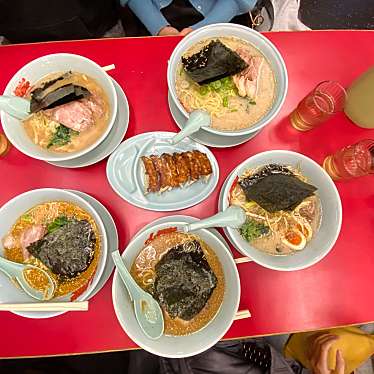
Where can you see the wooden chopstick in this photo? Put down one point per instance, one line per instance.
(108, 67)
(46, 307)
(241, 260)
(241, 314)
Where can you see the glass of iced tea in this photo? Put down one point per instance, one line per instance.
(321, 103)
(352, 161)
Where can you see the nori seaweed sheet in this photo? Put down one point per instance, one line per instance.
(61, 95)
(37, 93)
(213, 62)
(68, 250)
(276, 188)
(184, 281)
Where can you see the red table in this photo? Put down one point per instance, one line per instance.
(335, 292)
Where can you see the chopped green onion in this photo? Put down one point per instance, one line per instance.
(252, 229)
(57, 223)
(26, 218)
(61, 137)
(203, 90)
(225, 101)
(216, 85)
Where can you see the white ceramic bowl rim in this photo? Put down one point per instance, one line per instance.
(31, 65)
(276, 262)
(87, 206)
(217, 29)
(140, 340)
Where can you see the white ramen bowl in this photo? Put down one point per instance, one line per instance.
(15, 208)
(245, 33)
(39, 68)
(322, 241)
(188, 345)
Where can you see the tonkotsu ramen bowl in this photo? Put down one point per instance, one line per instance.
(184, 345)
(259, 41)
(38, 69)
(18, 206)
(331, 218)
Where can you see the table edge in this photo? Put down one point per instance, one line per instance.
(177, 36)
(139, 348)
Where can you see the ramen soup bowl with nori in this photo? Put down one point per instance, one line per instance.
(85, 100)
(233, 51)
(194, 279)
(306, 205)
(61, 233)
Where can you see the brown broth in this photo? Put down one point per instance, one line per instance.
(143, 271)
(44, 214)
(40, 128)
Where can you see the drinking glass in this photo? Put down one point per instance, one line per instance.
(4, 145)
(352, 161)
(320, 104)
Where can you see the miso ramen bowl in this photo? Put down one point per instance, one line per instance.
(38, 69)
(268, 50)
(185, 345)
(18, 206)
(331, 212)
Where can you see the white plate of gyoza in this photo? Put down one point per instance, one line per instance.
(148, 171)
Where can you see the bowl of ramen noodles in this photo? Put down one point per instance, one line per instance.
(292, 206)
(231, 71)
(193, 278)
(73, 106)
(59, 232)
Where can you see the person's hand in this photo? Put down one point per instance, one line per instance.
(318, 355)
(168, 30)
(185, 31)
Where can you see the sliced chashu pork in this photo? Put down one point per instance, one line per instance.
(28, 236)
(77, 115)
(247, 80)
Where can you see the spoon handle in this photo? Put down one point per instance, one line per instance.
(125, 275)
(233, 216)
(10, 268)
(196, 120)
(4, 101)
(15, 106)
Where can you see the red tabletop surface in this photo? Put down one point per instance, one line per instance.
(336, 291)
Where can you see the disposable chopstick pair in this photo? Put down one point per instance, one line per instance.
(241, 260)
(46, 307)
(74, 306)
(241, 314)
(108, 67)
